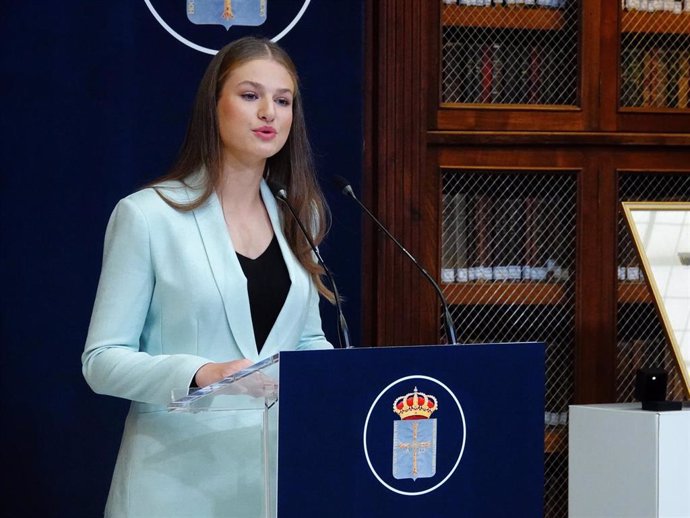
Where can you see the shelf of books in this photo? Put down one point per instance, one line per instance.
(505, 237)
(655, 55)
(512, 53)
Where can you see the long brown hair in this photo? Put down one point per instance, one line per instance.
(291, 167)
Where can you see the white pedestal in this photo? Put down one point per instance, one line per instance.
(625, 462)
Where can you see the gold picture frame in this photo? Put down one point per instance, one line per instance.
(661, 234)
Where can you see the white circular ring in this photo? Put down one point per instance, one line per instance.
(462, 449)
(206, 50)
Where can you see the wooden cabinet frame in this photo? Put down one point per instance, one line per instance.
(409, 136)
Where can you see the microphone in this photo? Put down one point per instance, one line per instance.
(280, 192)
(345, 188)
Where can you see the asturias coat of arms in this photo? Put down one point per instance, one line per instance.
(227, 12)
(414, 436)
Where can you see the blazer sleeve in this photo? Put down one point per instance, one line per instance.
(112, 362)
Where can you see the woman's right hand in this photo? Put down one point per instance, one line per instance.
(212, 372)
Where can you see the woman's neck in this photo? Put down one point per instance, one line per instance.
(239, 185)
(245, 215)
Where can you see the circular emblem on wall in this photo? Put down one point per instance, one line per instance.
(207, 25)
(414, 435)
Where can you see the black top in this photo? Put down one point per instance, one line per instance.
(268, 283)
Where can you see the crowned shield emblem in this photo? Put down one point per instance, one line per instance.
(414, 436)
(227, 12)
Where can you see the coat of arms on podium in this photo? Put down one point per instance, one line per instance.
(227, 12)
(414, 436)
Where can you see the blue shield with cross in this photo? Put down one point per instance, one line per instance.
(414, 449)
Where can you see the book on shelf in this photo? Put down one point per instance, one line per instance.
(543, 229)
(553, 4)
(471, 80)
(672, 79)
(564, 250)
(652, 80)
(673, 6)
(632, 77)
(551, 88)
(684, 79)
(655, 77)
(553, 243)
(461, 272)
(514, 74)
(483, 231)
(507, 3)
(497, 85)
(532, 230)
(515, 232)
(535, 73)
(487, 73)
(509, 235)
(453, 82)
(454, 238)
(621, 273)
(631, 273)
(447, 236)
(500, 242)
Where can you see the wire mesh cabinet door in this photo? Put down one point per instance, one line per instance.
(646, 66)
(501, 59)
(508, 269)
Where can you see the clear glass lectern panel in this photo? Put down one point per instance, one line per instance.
(661, 232)
(251, 392)
(253, 388)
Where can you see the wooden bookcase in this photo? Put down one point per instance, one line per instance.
(424, 146)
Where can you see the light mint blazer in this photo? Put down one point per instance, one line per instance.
(171, 297)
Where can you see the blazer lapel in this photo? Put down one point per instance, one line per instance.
(227, 273)
(285, 332)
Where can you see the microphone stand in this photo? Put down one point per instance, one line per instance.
(343, 332)
(448, 325)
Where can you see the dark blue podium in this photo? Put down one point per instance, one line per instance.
(424, 432)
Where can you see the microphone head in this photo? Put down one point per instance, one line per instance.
(278, 189)
(343, 185)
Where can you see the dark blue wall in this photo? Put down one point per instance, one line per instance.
(95, 101)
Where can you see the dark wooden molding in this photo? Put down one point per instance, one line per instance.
(398, 299)
(371, 115)
(552, 138)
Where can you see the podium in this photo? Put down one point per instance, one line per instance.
(417, 431)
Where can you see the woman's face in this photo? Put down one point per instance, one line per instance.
(255, 111)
